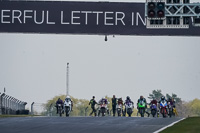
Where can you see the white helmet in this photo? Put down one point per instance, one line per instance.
(68, 97)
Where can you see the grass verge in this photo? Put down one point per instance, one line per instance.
(189, 125)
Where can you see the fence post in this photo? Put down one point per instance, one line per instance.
(86, 111)
(0, 104)
(6, 104)
(32, 108)
(50, 110)
(24, 105)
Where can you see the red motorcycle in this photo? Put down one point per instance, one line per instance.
(163, 108)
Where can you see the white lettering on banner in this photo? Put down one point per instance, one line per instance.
(86, 16)
(4, 16)
(139, 16)
(17, 16)
(107, 18)
(62, 21)
(133, 14)
(75, 17)
(26, 16)
(121, 19)
(97, 16)
(48, 22)
(35, 18)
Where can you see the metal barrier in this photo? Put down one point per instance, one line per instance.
(11, 105)
(38, 109)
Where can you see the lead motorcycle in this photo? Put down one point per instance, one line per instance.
(60, 110)
(163, 108)
(141, 108)
(67, 106)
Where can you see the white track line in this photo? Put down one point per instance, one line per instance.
(168, 126)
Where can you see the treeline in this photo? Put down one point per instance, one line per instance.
(81, 107)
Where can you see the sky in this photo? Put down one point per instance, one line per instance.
(33, 66)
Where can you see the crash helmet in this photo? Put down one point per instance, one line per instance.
(163, 98)
(141, 97)
(128, 98)
(93, 97)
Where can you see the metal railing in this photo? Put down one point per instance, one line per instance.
(11, 105)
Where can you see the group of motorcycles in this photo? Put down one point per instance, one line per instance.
(65, 108)
(166, 109)
(102, 109)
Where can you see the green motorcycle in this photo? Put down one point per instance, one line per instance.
(141, 108)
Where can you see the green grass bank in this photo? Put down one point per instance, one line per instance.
(189, 125)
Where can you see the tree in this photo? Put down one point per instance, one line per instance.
(194, 107)
(174, 96)
(155, 94)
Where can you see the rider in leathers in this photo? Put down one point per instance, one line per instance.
(59, 101)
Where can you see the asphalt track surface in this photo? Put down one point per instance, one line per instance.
(83, 124)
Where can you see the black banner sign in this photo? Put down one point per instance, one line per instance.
(62, 17)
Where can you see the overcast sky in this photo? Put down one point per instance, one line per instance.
(33, 66)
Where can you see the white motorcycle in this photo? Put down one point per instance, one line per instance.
(129, 108)
(67, 106)
(119, 109)
(103, 109)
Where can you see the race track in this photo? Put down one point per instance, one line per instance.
(83, 124)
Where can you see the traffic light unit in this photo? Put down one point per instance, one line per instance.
(171, 13)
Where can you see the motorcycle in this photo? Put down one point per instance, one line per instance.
(129, 108)
(119, 109)
(153, 110)
(141, 108)
(170, 110)
(163, 108)
(60, 110)
(67, 106)
(102, 109)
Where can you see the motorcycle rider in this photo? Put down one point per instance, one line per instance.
(92, 103)
(68, 97)
(154, 101)
(127, 101)
(114, 103)
(162, 99)
(59, 101)
(120, 101)
(103, 100)
(144, 100)
(172, 102)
